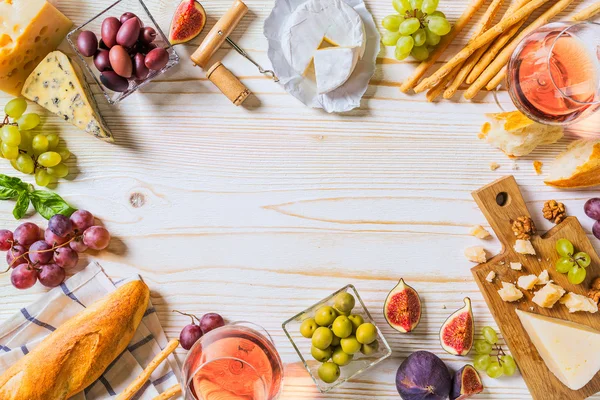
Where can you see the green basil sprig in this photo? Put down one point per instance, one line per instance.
(46, 203)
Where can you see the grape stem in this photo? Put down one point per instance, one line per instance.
(192, 316)
(56, 246)
(7, 122)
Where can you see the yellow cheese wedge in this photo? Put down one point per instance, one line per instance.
(54, 85)
(570, 351)
(29, 30)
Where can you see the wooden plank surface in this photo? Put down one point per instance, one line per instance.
(256, 212)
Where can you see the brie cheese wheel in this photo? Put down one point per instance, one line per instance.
(316, 21)
(569, 350)
(333, 67)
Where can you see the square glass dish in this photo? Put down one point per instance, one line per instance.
(360, 362)
(116, 10)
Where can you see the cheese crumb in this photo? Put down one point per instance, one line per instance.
(527, 282)
(524, 247)
(576, 302)
(479, 232)
(490, 277)
(537, 166)
(494, 166)
(509, 292)
(548, 295)
(543, 278)
(476, 254)
(516, 266)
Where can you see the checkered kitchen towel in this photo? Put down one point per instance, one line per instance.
(27, 328)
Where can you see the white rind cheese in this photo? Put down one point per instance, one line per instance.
(570, 351)
(333, 67)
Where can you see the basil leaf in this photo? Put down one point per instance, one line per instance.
(13, 183)
(22, 206)
(48, 204)
(7, 194)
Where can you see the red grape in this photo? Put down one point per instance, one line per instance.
(6, 239)
(189, 335)
(23, 276)
(38, 253)
(211, 321)
(66, 257)
(51, 275)
(592, 208)
(13, 256)
(96, 237)
(53, 239)
(60, 225)
(596, 230)
(27, 233)
(82, 219)
(78, 245)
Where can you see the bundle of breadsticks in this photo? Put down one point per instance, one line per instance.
(482, 62)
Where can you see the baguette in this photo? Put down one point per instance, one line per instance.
(577, 167)
(76, 354)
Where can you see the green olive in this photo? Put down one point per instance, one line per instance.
(344, 302)
(370, 349)
(308, 327)
(329, 372)
(335, 341)
(357, 321)
(366, 333)
(341, 358)
(322, 338)
(325, 316)
(350, 345)
(342, 327)
(321, 355)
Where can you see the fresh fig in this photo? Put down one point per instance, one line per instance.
(423, 376)
(402, 308)
(456, 334)
(188, 21)
(466, 383)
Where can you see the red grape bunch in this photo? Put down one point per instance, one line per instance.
(592, 210)
(192, 332)
(34, 255)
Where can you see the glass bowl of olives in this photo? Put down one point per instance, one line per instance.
(337, 339)
(123, 49)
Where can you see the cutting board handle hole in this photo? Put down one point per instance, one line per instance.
(502, 199)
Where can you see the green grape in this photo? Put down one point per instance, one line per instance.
(25, 164)
(10, 152)
(420, 53)
(65, 154)
(432, 39)
(15, 108)
(564, 247)
(482, 361)
(482, 347)
(489, 334)
(509, 367)
(42, 178)
(14, 164)
(400, 55)
(429, 6)
(409, 26)
(401, 6)
(405, 44)
(26, 138)
(494, 370)
(564, 264)
(438, 25)
(59, 171)
(10, 135)
(419, 36)
(438, 13)
(390, 38)
(49, 159)
(40, 144)
(28, 121)
(576, 275)
(392, 22)
(583, 259)
(53, 140)
(416, 4)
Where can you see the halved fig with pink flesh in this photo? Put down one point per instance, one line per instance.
(466, 383)
(456, 334)
(188, 21)
(402, 308)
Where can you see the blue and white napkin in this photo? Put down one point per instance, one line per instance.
(25, 330)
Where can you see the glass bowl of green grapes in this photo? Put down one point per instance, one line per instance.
(337, 339)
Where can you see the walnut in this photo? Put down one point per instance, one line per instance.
(523, 228)
(594, 292)
(554, 211)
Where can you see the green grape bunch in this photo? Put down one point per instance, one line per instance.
(491, 358)
(28, 152)
(571, 263)
(416, 28)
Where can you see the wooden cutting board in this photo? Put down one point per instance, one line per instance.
(542, 384)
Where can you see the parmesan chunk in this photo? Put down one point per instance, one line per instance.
(524, 247)
(479, 232)
(509, 292)
(548, 295)
(543, 278)
(527, 282)
(576, 302)
(490, 276)
(516, 266)
(476, 254)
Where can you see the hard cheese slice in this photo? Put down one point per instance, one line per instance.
(54, 85)
(29, 30)
(571, 351)
(333, 67)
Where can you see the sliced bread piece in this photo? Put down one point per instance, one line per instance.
(579, 166)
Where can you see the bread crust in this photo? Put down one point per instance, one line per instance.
(586, 174)
(79, 351)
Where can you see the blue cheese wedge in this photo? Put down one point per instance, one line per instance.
(54, 85)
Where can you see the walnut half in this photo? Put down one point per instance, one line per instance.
(554, 211)
(523, 228)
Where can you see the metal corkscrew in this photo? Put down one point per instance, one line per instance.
(242, 52)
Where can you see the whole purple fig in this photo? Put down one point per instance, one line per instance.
(423, 376)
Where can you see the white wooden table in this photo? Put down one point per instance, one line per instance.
(257, 212)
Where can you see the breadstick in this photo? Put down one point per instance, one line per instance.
(465, 68)
(482, 40)
(498, 44)
(435, 91)
(462, 21)
(493, 71)
(586, 13)
(170, 392)
(132, 389)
